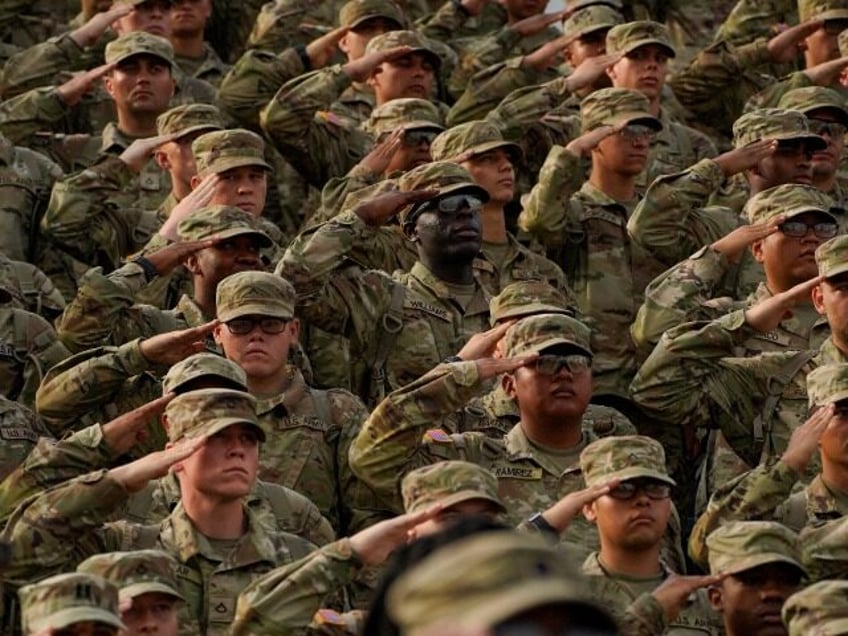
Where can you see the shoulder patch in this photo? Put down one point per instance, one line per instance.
(328, 617)
(437, 436)
(331, 118)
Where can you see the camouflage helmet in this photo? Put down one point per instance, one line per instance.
(589, 19)
(775, 123)
(820, 609)
(204, 365)
(832, 257)
(472, 138)
(743, 545)
(448, 483)
(414, 40)
(623, 458)
(222, 150)
(788, 200)
(534, 334)
(627, 37)
(355, 12)
(406, 113)
(486, 578)
(60, 601)
(139, 43)
(526, 297)
(827, 384)
(445, 178)
(189, 118)
(254, 294)
(136, 573)
(613, 106)
(207, 411)
(812, 98)
(822, 10)
(221, 221)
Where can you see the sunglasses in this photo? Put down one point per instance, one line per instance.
(832, 129)
(799, 229)
(243, 326)
(550, 364)
(414, 138)
(635, 132)
(627, 490)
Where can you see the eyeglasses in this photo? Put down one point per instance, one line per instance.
(793, 148)
(799, 229)
(835, 27)
(451, 204)
(627, 490)
(832, 129)
(413, 138)
(634, 132)
(243, 326)
(552, 364)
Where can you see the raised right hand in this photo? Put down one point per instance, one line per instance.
(734, 244)
(770, 312)
(72, 91)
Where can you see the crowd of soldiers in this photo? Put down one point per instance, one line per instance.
(423, 317)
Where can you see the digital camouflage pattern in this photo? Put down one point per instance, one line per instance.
(223, 150)
(525, 297)
(789, 200)
(817, 610)
(254, 294)
(447, 484)
(406, 113)
(823, 549)
(822, 10)
(355, 12)
(614, 106)
(59, 602)
(832, 257)
(623, 458)
(187, 119)
(203, 365)
(464, 141)
(417, 42)
(774, 123)
(138, 43)
(743, 545)
(135, 573)
(812, 98)
(204, 412)
(624, 38)
(442, 176)
(534, 334)
(222, 221)
(827, 384)
(589, 19)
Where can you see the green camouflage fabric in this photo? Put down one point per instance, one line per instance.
(624, 38)
(622, 459)
(61, 601)
(405, 113)
(135, 573)
(447, 484)
(535, 333)
(188, 119)
(744, 545)
(441, 176)
(615, 106)
(254, 293)
(813, 98)
(525, 297)
(20, 430)
(832, 257)
(30, 288)
(589, 19)
(222, 221)
(138, 43)
(774, 123)
(827, 384)
(821, 10)
(223, 150)
(464, 141)
(817, 610)
(204, 412)
(290, 23)
(412, 39)
(203, 365)
(208, 67)
(843, 43)
(327, 622)
(355, 12)
(823, 550)
(790, 200)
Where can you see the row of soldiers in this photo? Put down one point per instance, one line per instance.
(525, 276)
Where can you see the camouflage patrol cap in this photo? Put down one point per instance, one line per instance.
(820, 609)
(824, 549)
(60, 601)
(589, 19)
(135, 573)
(827, 384)
(812, 98)
(204, 365)
(223, 221)
(464, 141)
(448, 483)
(843, 43)
(538, 332)
(444, 177)
(832, 257)
(406, 113)
(743, 545)
(789, 200)
(207, 411)
(613, 106)
(355, 12)
(574, 5)
(775, 123)
(627, 37)
(254, 294)
(527, 297)
(624, 457)
(417, 42)
(485, 579)
(139, 43)
(189, 118)
(822, 10)
(223, 150)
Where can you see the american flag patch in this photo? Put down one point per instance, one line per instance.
(437, 435)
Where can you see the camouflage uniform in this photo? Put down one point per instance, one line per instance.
(817, 610)
(208, 67)
(629, 598)
(20, 430)
(136, 573)
(292, 23)
(823, 550)
(32, 290)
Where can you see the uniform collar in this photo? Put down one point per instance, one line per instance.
(479, 303)
(518, 446)
(293, 394)
(821, 503)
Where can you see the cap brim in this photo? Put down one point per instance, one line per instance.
(434, 57)
(200, 127)
(127, 56)
(220, 423)
(833, 14)
(137, 589)
(421, 124)
(635, 472)
(553, 342)
(808, 210)
(817, 143)
(494, 145)
(645, 119)
(755, 561)
(836, 271)
(635, 45)
(238, 231)
(229, 163)
(67, 617)
(838, 111)
(254, 309)
(579, 33)
(531, 309)
(459, 497)
(373, 16)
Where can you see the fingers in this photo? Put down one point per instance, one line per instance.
(417, 196)
(416, 518)
(99, 71)
(393, 53)
(801, 292)
(499, 331)
(334, 36)
(516, 362)
(184, 448)
(154, 407)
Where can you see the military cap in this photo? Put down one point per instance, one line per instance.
(469, 139)
(827, 384)
(135, 573)
(207, 411)
(789, 200)
(414, 40)
(832, 257)
(254, 293)
(204, 365)
(60, 601)
(818, 610)
(189, 118)
(445, 178)
(406, 113)
(222, 221)
(485, 579)
(627, 37)
(355, 12)
(775, 123)
(589, 19)
(743, 545)
(623, 457)
(527, 297)
(138, 43)
(613, 106)
(843, 43)
(812, 98)
(574, 5)
(538, 332)
(448, 483)
(822, 10)
(223, 150)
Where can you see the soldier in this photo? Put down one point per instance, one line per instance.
(20, 430)
(631, 520)
(31, 289)
(74, 604)
(760, 566)
(819, 607)
(192, 53)
(147, 588)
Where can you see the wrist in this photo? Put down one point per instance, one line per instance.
(539, 522)
(452, 359)
(304, 57)
(150, 271)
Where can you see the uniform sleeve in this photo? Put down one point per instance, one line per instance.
(524, 107)
(38, 65)
(35, 111)
(769, 97)
(43, 350)
(482, 52)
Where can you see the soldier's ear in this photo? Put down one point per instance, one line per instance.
(818, 299)
(590, 513)
(161, 158)
(715, 596)
(344, 47)
(107, 84)
(191, 265)
(294, 328)
(757, 251)
(508, 385)
(216, 334)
